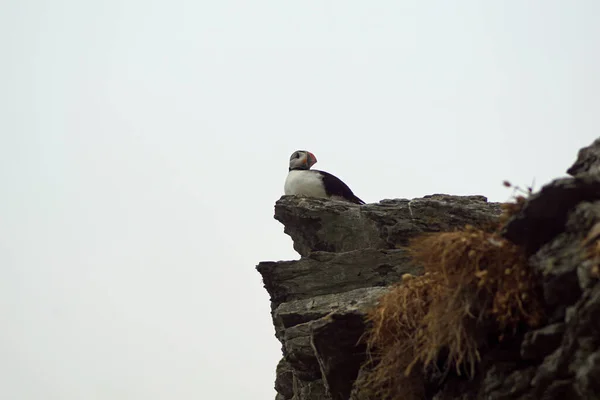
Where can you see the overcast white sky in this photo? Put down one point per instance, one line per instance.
(143, 145)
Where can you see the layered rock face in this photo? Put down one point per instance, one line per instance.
(350, 254)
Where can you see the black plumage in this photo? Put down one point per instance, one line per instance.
(335, 187)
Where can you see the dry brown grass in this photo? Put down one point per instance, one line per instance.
(392, 337)
(475, 282)
(511, 209)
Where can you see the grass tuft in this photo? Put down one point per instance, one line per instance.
(476, 283)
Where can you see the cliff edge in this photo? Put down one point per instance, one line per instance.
(353, 256)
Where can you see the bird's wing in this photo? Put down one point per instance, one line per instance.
(335, 187)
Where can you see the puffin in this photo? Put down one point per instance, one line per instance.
(302, 180)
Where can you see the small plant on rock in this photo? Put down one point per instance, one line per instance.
(475, 284)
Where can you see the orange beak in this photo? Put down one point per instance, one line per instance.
(310, 159)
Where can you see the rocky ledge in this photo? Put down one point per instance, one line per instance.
(351, 254)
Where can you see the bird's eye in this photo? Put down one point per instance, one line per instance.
(297, 155)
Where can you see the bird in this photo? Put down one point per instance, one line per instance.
(302, 180)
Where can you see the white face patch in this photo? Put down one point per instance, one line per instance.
(305, 183)
(299, 161)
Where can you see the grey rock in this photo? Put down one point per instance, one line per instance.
(538, 343)
(569, 372)
(503, 386)
(560, 390)
(588, 376)
(319, 302)
(284, 381)
(325, 273)
(552, 367)
(292, 313)
(545, 214)
(584, 273)
(561, 263)
(339, 352)
(314, 390)
(351, 254)
(320, 339)
(299, 353)
(336, 226)
(557, 264)
(588, 160)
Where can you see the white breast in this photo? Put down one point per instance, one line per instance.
(305, 183)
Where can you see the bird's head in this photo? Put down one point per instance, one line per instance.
(302, 159)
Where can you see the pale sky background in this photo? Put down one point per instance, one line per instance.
(143, 145)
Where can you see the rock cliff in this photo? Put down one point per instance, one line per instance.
(350, 255)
